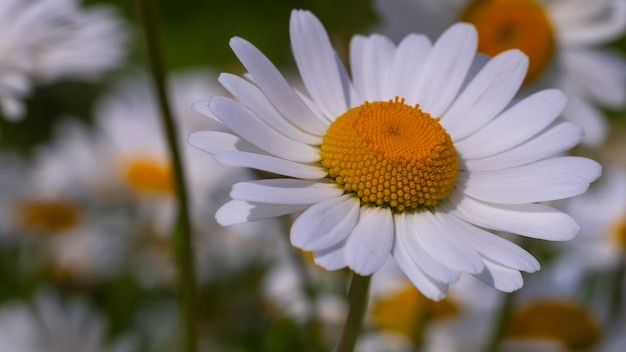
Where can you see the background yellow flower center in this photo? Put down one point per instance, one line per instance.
(390, 154)
(48, 215)
(149, 174)
(617, 233)
(510, 24)
(407, 311)
(562, 322)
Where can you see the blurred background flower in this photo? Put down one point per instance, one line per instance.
(86, 193)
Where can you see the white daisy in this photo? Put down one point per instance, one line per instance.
(561, 38)
(134, 163)
(54, 325)
(378, 176)
(601, 214)
(46, 40)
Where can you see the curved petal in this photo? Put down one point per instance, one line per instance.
(332, 258)
(215, 142)
(429, 287)
(549, 179)
(239, 211)
(408, 236)
(247, 125)
(276, 88)
(316, 62)
(408, 63)
(437, 239)
(486, 95)
(253, 98)
(499, 276)
(550, 142)
(445, 68)
(589, 118)
(368, 246)
(270, 164)
(370, 60)
(531, 220)
(598, 31)
(325, 224)
(492, 246)
(514, 126)
(202, 107)
(284, 191)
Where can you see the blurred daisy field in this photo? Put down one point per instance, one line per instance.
(384, 175)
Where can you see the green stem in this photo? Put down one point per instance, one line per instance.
(357, 295)
(313, 325)
(181, 238)
(501, 323)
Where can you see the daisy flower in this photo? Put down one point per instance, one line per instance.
(46, 40)
(562, 39)
(418, 155)
(51, 324)
(601, 214)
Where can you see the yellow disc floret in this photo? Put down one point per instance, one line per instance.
(390, 154)
(147, 174)
(513, 24)
(48, 215)
(562, 322)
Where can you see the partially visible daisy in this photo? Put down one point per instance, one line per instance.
(562, 39)
(54, 325)
(47, 40)
(134, 163)
(418, 156)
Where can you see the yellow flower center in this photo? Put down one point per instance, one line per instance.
(149, 175)
(618, 233)
(563, 322)
(511, 24)
(48, 215)
(390, 154)
(407, 311)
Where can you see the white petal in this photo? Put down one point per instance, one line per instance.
(589, 118)
(270, 164)
(514, 126)
(408, 63)
(253, 98)
(408, 236)
(599, 75)
(325, 224)
(243, 122)
(492, 246)
(316, 62)
(369, 244)
(531, 220)
(202, 107)
(430, 288)
(550, 142)
(276, 88)
(284, 191)
(445, 69)
(438, 240)
(332, 258)
(599, 31)
(238, 211)
(549, 179)
(502, 278)
(215, 142)
(486, 95)
(370, 60)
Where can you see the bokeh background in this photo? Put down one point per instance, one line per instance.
(109, 285)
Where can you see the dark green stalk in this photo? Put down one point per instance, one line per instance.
(181, 238)
(357, 296)
(501, 323)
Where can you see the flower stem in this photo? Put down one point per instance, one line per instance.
(501, 323)
(181, 238)
(357, 295)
